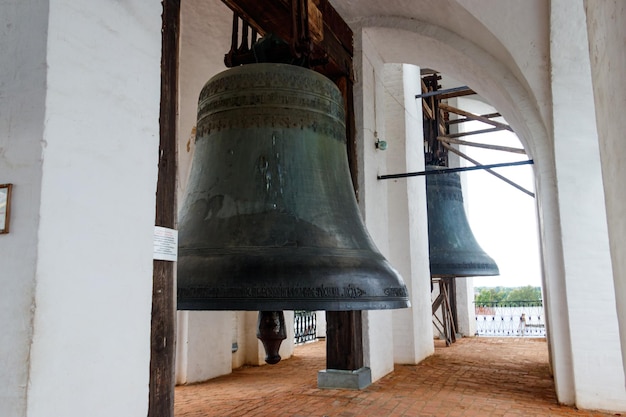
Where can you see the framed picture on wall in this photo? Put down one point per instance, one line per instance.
(5, 207)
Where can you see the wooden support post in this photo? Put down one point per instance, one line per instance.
(344, 336)
(163, 327)
(344, 340)
(447, 305)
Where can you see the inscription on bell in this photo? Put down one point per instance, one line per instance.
(349, 291)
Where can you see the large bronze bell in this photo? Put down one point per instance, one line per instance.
(269, 221)
(454, 251)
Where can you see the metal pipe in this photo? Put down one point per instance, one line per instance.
(450, 170)
(439, 92)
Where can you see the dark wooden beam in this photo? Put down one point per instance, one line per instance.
(163, 327)
(344, 340)
(488, 116)
(456, 94)
(463, 90)
(331, 38)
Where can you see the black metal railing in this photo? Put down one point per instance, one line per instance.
(510, 319)
(305, 325)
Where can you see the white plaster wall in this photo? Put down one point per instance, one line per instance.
(408, 223)
(90, 351)
(598, 373)
(182, 332)
(208, 339)
(320, 324)
(521, 28)
(606, 22)
(254, 353)
(238, 358)
(514, 32)
(23, 36)
(370, 123)
(205, 28)
(287, 346)
(205, 343)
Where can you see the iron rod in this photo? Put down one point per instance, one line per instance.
(450, 170)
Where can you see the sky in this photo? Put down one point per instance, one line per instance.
(503, 218)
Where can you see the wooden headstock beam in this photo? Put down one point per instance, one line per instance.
(331, 38)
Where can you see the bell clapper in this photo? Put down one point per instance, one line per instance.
(271, 332)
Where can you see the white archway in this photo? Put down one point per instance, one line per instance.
(401, 40)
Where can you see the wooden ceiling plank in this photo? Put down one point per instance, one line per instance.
(488, 116)
(473, 116)
(446, 96)
(474, 132)
(448, 139)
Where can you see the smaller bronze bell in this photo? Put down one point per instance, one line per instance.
(454, 251)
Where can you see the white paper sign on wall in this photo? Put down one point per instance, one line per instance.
(165, 244)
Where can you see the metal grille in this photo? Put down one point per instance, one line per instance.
(510, 319)
(305, 325)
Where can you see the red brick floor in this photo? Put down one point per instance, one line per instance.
(473, 377)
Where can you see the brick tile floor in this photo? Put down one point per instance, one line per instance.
(484, 377)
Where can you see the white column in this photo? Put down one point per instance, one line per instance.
(595, 343)
(466, 313)
(370, 123)
(22, 107)
(320, 324)
(90, 350)
(607, 35)
(408, 223)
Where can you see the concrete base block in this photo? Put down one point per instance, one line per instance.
(339, 378)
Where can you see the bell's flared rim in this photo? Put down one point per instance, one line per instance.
(264, 279)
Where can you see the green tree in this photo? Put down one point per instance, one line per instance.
(490, 295)
(527, 293)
